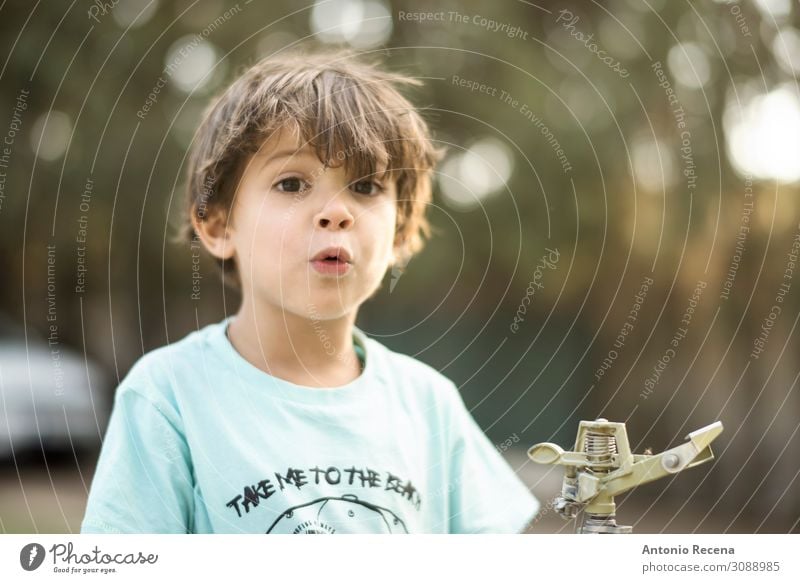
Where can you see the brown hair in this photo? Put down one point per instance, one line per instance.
(350, 111)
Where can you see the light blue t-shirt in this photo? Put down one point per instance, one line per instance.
(202, 441)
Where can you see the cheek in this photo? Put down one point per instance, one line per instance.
(263, 233)
(383, 228)
(391, 224)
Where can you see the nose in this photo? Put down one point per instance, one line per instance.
(334, 215)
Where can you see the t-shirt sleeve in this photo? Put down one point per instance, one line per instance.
(487, 495)
(143, 480)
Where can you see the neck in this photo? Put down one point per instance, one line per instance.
(304, 351)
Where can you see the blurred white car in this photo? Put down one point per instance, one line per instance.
(51, 398)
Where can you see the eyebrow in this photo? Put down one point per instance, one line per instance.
(287, 153)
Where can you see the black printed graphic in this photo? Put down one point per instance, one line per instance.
(343, 514)
(295, 479)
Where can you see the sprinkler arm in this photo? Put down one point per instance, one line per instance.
(628, 470)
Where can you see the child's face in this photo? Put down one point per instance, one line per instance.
(288, 209)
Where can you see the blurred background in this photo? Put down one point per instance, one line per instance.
(617, 227)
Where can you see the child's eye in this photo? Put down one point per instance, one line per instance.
(367, 187)
(292, 184)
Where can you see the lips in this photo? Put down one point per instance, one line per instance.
(333, 255)
(332, 261)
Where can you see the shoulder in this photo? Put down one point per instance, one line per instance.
(411, 375)
(157, 374)
(424, 393)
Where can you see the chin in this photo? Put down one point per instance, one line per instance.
(320, 307)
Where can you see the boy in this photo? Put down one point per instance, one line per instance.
(309, 178)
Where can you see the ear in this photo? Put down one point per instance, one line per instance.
(214, 230)
(394, 257)
(399, 259)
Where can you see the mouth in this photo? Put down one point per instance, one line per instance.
(332, 261)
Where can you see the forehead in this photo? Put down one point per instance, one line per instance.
(282, 146)
(289, 144)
